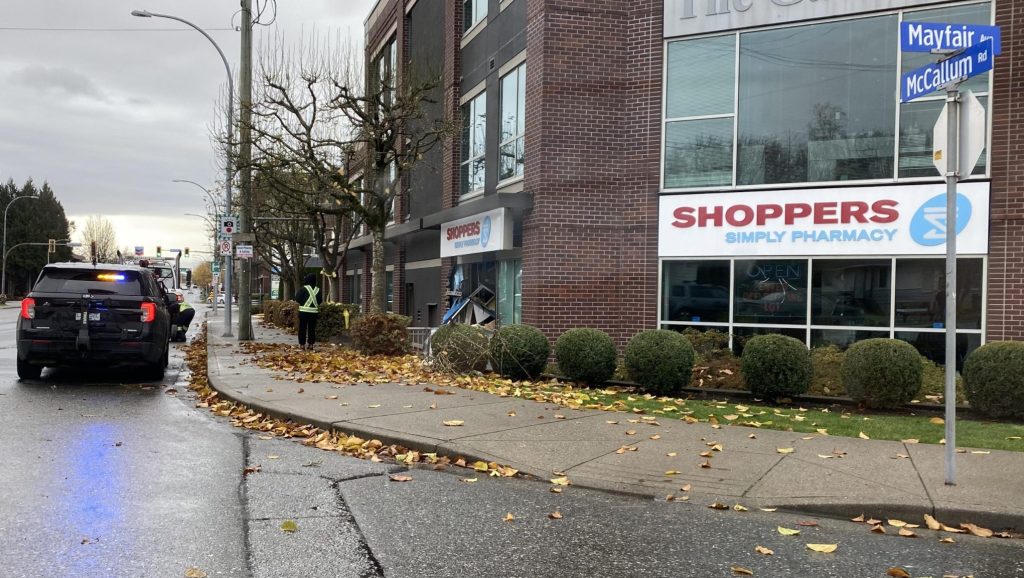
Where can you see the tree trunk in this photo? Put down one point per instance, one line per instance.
(377, 295)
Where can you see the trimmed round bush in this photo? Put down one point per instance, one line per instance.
(776, 366)
(586, 355)
(882, 373)
(519, 351)
(660, 361)
(381, 334)
(460, 347)
(994, 379)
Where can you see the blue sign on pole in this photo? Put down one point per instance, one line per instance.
(927, 79)
(929, 36)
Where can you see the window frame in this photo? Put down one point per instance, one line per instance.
(466, 160)
(902, 15)
(519, 173)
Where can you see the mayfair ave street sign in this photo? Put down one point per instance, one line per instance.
(932, 36)
(685, 17)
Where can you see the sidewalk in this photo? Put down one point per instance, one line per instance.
(868, 479)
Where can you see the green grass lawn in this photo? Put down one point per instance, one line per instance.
(835, 420)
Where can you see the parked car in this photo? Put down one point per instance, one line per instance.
(104, 315)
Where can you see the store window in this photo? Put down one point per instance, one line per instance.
(513, 124)
(850, 299)
(510, 291)
(806, 103)
(389, 290)
(356, 289)
(473, 11)
(474, 124)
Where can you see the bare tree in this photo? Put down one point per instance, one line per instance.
(99, 233)
(317, 120)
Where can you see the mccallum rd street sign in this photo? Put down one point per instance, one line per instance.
(933, 36)
(927, 79)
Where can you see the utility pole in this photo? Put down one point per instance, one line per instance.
(245, 157)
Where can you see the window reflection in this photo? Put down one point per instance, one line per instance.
(921, 293)
(771, 291)
(851, 292)
(696, 291)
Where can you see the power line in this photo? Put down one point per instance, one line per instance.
(42, 29)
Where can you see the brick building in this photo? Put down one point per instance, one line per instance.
(740, 165)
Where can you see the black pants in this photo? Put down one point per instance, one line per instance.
(182, 321)
(307, 328)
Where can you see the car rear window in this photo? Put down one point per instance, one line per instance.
(92, 281)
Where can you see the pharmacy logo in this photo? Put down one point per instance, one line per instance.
(928, 227)
(485, 232)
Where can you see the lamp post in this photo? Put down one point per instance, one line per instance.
(212, 224)
(3, 273)
(227, 170)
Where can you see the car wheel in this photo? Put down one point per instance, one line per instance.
(28, 371)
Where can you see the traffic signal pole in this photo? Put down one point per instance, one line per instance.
(245, 155)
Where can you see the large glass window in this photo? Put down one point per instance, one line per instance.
(850, 299)
(385, 67)
(510, 291)
(770, 291)
(851, 292)
(513, 124)
(474, 125)
(806, 103)
(700, 92)
(473, 11)
(696, 291)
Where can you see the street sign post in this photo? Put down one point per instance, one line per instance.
(228, 224)
(966, 51)
(225, 248)
(244, 251)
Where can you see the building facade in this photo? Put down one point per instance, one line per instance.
(739, 165)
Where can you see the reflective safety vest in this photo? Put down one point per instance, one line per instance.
(184, 307)
(310, 305)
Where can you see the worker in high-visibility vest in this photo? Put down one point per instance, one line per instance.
(182, 320)
(309, 301)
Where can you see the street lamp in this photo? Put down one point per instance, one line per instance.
(227, 170)
(205, 190)
(3, 274)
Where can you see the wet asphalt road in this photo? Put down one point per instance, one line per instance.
(103, 475)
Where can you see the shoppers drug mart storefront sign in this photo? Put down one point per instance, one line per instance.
(888, 220)
(490, 231)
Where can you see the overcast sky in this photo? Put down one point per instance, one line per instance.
(110, 116)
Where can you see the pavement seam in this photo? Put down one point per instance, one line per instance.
(375, 570)
(243, 497)
(927, 492)
(761, 477)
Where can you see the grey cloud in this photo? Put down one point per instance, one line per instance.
(60, 79)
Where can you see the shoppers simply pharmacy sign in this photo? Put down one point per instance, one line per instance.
(490, 231)
(887, 220)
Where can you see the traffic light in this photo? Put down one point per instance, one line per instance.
(158, 251)
(52, 246)
(186, 251)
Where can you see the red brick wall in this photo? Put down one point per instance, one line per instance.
(1006, 244)
(450, 147)
(592, 109)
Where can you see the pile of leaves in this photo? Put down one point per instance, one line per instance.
(349, 445)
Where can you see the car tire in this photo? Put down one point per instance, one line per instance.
(28, 371)
(155, 371)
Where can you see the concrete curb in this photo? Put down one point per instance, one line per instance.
(823, 507)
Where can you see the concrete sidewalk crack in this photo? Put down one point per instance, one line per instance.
(344, 512)
(762, 477)
(927, 491)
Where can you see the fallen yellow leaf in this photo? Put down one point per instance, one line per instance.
(768, 509)
(823, 548)
(763, 550)
(741, 571)
(556, 515)
(194, 573)
(932, 523)
(897, 523)
(453, 422)
(787, 531)
(631, 432)
(785, 450)
(672, 473)
(509, 517)
(947, 541)
(878, 529)
(907, 533)
(556, 489)
(911, 441)
(977, 530)
(289, 526)
(739, 508)
(400, 478)
(897, 572)
(685, 488)
(562, 481)
(374, 406)
(718, 506)
(480, 466)
(672, 454)
(937, 421)
(863, 436)
(469, 480)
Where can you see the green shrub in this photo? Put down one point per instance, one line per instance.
(381, 334)
(994, 379)
(776, 366)
(660, 361)
(519, 351)
(459, 347)
(827, 370)
(586, 355)
(330, 324)
(708, 344)
(882, 373)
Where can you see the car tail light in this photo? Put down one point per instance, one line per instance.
(148, 312)
(28, 308)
